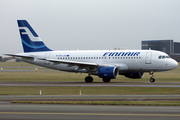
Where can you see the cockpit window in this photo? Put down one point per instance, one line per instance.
(163, 57)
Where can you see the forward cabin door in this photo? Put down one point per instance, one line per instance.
(148, 58)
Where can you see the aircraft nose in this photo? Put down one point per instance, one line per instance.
(174, 64)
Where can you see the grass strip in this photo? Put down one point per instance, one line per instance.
(35, 90)
(147, 103)
(59, 76)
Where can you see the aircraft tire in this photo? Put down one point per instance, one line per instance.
(152, 80)
(89, 79)
(106, 80)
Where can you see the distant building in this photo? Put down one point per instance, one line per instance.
(167, 46)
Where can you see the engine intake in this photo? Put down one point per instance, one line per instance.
(108, 72)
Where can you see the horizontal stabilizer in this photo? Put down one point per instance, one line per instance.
(23, 56)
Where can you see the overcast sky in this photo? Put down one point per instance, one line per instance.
(89, 24)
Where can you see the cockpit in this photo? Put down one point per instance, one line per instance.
(163, 57)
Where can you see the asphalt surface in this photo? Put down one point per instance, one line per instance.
(90, 97)
(94, 84)
(12, 111)
(9, 111)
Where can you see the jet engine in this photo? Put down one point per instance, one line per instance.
(108, 72)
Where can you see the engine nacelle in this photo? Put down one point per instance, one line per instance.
(108, 72)
(134, 75)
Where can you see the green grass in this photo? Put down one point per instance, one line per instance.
(154, 103)
(58, 76)
(23, 90)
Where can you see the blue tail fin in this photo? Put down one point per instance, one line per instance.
(30, 40)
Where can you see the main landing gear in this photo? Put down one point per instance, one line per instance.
(89, 79)
(151, 77)
(106, 79)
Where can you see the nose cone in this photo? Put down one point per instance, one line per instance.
(174, 64)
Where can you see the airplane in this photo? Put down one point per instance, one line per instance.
(107, 64)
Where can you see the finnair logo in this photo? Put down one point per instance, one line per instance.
(121, 54)
(28, 32)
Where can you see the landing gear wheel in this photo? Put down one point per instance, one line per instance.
(88, 79)
(152, 80)
(106, 79)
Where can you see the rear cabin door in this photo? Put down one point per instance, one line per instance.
(47, 55)
(148, 57)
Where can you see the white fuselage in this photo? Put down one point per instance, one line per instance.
(124, 60)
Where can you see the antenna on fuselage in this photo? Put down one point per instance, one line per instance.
(149, 48)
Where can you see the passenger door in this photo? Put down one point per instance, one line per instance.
(148, 58)
(47, 55)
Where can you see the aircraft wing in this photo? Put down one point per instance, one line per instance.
(73, 62)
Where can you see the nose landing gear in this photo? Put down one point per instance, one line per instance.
(151, 77)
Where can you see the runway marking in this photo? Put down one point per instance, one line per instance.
(102, 114)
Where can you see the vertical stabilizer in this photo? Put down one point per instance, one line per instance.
(30, 40)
